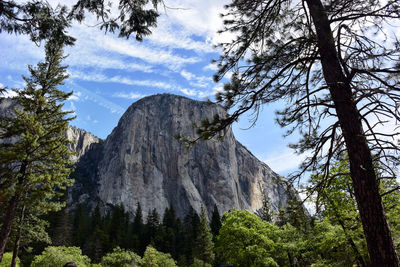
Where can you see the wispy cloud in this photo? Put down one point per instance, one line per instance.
(88, 95)
(174, 36)
(89, 59)
(211, 66)
(196, 81)
(196, 93)
(99, 77)
(285, 161)
(130, 95)
(139, 51)
(76, 96)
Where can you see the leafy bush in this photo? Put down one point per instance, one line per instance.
(154, 258)
(58, 256)
(121, 258)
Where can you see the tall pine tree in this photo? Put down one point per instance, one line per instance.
(34, 157)
(204, 244)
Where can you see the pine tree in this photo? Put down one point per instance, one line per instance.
(204, 244)
(169, 228)
(151, 228)
(215, 222)
(138, 231)
(191, 228)
(265, 212)
(34, 156)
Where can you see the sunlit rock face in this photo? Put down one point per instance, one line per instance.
(81, 141)
(141, 161)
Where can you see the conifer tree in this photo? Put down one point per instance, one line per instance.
(215, 222)
(151, 228)
(34, 156)
(265, 212)
(191, 228)
(204, 244)
(138, 230)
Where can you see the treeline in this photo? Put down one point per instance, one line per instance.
(333, 236)
(98, 235)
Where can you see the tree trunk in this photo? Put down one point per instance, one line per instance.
(18, 238)
(366, 187)
(7, 223)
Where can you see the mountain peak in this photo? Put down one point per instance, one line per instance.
(142, 162)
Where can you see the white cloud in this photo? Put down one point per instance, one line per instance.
(196, 81)
(211, 66)
(99, 77)
(148, 54)
(89, 59)
(171, 35)
(75, 96)
(147, 83)
(285, 161)
(88, 76)
(195, 93)
(199, 17)
(130, 95)
(187, 75)
(88, 95)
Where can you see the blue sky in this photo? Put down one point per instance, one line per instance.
(108, 74)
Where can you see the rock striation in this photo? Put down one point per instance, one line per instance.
(141, 161)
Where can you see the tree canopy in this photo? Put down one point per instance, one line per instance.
(41, 21)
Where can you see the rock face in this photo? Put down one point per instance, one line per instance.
(142, 162)
(82, 141)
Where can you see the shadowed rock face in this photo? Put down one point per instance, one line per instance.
(141, 161)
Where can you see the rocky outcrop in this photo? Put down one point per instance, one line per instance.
(142, 162)
(81, 141)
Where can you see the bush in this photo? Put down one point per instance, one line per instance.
(121, 258)
(58, 256)
(154, 258)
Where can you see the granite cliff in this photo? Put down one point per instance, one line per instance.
(142, 162)
(82, 141)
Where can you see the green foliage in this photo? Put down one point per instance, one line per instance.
(58, 256)
(265, 212)
(204, 244)
(199, 263)
(154, 258)
(121, 258)
(35, 167)
(215, 223)
(337, 204)
(6, 262)
(134, 18)
(34, 155)
(37, 19)
(245, 240)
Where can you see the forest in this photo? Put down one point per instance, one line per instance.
(333, 236)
